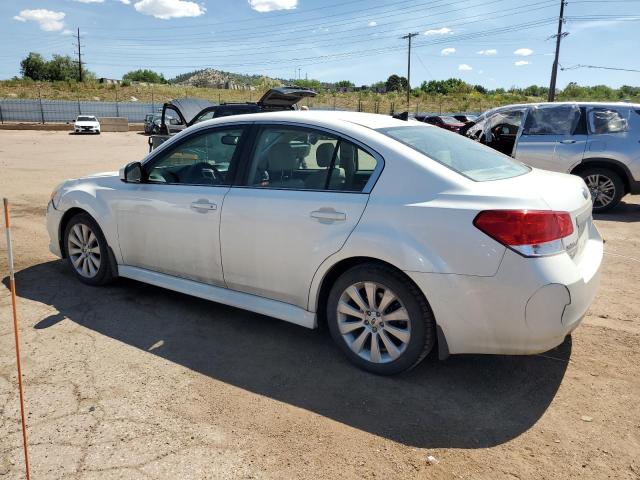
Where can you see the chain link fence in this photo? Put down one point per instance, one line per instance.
(46, 111)
(55, 111)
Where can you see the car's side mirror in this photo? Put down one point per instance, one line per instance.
(131, 173)
(230, 140)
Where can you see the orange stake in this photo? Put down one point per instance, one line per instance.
(12, 286)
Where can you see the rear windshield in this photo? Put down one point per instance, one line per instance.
(86, 119)
(464, 156)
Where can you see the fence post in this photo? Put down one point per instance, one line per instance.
(392, 108)
(78, 98)
(117, 110)
(153, 105)
(40, 101)
(1, 117)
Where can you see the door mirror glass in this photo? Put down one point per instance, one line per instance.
(132, 173)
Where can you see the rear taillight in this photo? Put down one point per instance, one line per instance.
(531, 233)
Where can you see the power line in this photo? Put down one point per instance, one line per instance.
(574, 67)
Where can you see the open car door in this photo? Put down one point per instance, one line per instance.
(284, 98)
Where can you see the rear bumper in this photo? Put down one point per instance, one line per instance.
(528, 307)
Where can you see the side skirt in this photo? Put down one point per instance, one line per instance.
(273, 308)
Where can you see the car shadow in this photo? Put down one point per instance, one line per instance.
(468, 401)
(623, 212)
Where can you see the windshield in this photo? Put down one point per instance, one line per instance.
(464, 156)
(86, 119)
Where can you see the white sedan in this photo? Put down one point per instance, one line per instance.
(86, 124)
(401, 236)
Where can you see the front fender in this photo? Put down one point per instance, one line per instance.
(93, 200)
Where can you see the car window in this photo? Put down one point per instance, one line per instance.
(202, 159)
(205, 116)
(606, 120)
(466, 157)
(86, 119)
(308, 159)
(552, 120)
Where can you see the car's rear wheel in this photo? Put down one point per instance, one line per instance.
(379, 319)
(87, 250)
(606, 188)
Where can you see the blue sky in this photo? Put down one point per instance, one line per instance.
(497, 43)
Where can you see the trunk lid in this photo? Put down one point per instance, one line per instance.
(283, 98)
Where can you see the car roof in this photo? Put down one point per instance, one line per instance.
(317, 117)
(571, 102)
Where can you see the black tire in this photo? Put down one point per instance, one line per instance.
(421, 321)
(103, 274)
(603, 177)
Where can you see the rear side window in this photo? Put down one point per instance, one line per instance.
(552, 120)
(307, 159)
(606, 120)
(466, 157)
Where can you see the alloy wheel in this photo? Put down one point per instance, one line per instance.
(84, 250)
(602, 189)
(373, 322)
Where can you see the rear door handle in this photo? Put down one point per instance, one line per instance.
(328, 215)
(203, 205)
(567, 141)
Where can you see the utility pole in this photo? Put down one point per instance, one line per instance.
(558, 37)
(409, 36)
(79, 57)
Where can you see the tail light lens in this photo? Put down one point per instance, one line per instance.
(531, 233)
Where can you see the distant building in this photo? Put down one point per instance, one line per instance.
(109, 81)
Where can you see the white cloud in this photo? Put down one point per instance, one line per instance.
(447, 51)
(48, 20)
(89, 1)
(488, 52)
(463, 67)
(166, 9)
(520, 63)
(439, 31)
(523, 52)
(66, 31)
(126, 2)
(372, 24)
(263, 6)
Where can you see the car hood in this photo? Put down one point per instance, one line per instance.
(284, 97)
(87, 124)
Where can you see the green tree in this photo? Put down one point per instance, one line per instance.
(396, 83)
(62, 68)
(344, 84)
(34, 67)
(144, 75)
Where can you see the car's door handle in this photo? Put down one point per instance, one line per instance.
(203, 205)
(569, 141)
(328, 215)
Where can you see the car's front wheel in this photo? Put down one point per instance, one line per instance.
(380, 319)
(87, 250)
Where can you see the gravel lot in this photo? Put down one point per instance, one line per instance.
(132, 381)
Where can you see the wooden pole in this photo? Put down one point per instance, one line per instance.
(12, 286)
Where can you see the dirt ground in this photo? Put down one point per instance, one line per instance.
(132, 381)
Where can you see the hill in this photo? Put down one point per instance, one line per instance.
(212, 78)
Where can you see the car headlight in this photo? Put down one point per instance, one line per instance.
(55, 195)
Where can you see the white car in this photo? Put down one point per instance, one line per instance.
(86, 124)
(399, 235)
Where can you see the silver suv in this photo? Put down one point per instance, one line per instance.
(600, 142)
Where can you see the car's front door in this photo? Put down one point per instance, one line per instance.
(303, 194)
(554, 137)
(170, 222)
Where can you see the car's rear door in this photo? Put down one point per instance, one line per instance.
(554, 137)
(170, 222)
(289, 213)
